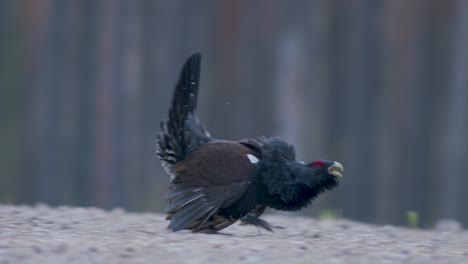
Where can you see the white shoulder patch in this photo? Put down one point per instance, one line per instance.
(252, 158)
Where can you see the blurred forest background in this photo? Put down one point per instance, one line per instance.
(379, 85)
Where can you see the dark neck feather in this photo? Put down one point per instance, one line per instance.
(286, 184)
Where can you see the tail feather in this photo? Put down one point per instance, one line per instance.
(182, 131)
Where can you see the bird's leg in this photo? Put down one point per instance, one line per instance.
(252, 219)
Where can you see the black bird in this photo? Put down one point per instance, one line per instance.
(214, 183)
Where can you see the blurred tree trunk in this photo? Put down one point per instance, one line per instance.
(156, 66)
(12, 101)
(36, 19)
(290, 108)
(60, 73)
(109, 190)
(300, 90)
(362, 91)
(86, 84)
(238, 73)
(423, 190)
(300, 86)
(57, 104)
(118, 111)
(453, 178)
(131, 96)
(394, 160)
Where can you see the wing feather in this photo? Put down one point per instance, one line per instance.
(182, 201)
(189, 213)
(192, 208)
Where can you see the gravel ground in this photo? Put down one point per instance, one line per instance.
(42, 234)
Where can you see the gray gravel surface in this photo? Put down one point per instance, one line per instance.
(42, 234)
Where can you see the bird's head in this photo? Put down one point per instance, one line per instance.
(294, 184)
(326, 167)
(319, 175)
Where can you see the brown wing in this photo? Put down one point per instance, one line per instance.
(213, 176)
(215, 163)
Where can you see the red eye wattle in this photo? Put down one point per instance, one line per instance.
(318, 164)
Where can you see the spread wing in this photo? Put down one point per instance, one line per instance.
(212, 177)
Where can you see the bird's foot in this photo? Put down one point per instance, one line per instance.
(251, 219)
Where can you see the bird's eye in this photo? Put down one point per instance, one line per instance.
(318, 164)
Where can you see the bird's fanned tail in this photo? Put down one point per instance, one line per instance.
(182, 131)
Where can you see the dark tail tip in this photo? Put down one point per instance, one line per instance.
(186, 93)
(195, 56)
(193, 63)
(190, 73)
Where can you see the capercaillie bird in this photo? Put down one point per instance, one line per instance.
(214, 182)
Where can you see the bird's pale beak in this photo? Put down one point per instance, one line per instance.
(336, 169)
